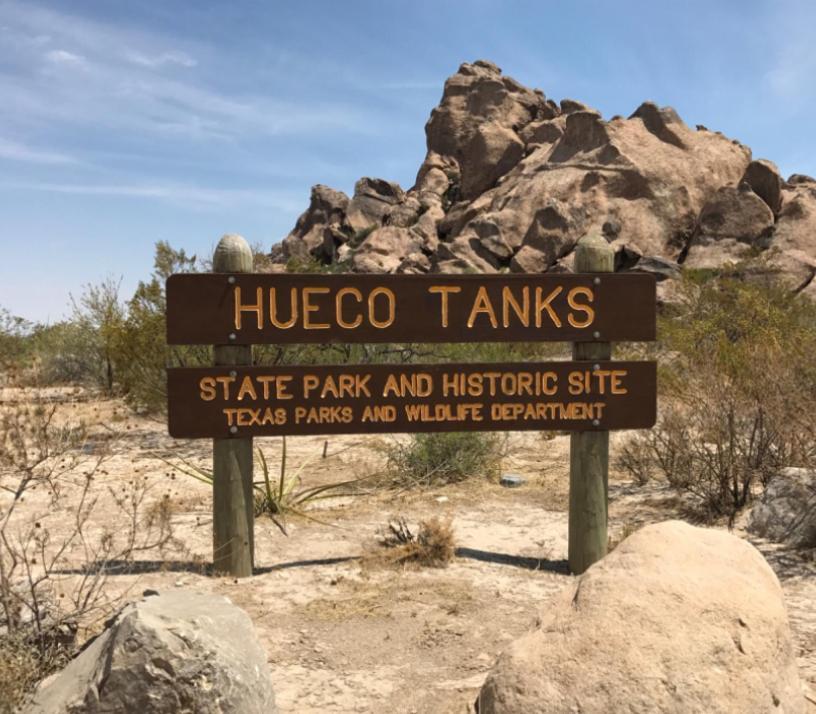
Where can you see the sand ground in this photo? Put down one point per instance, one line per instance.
(344, 636)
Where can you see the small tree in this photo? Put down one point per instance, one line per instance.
(99, 314)
(141, 350)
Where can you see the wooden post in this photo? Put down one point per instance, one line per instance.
(589, 450)
(233, 507)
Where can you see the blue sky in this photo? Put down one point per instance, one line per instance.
(124, 123)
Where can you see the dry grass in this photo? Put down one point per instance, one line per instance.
(430, 545)
(22, 665)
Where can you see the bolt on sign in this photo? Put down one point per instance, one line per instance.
(215, 402)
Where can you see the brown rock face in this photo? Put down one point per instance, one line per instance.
(511, 180)
(764, 179)
(675, 619)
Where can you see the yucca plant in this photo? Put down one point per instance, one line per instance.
(282, 496)
(286, 495)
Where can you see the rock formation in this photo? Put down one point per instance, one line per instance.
(675, 619)
(177, 652)
(512, 179)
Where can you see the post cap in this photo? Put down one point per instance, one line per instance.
(232, 255)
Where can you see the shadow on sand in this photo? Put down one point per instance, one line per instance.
(142, 567)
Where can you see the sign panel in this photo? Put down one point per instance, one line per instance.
(221, 309)
(212, 402)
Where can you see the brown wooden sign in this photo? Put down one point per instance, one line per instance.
(272, 401)
(220, 308)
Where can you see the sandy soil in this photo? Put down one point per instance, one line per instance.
(341, 635)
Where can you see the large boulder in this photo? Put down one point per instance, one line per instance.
(180, 651)
(676, 619)
(478, 121)
(764, 179)
(384, 249)
(733, 224)
(786, 513)
(373, 200)
(317, 225)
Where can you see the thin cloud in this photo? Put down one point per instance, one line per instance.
(15, 151)
(64, 57)
(195, 196)
(132, 89)
(181, 59)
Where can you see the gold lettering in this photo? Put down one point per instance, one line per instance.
(361, 384)
(265, 379)
(576, 382)
(391, 386)
(282, 387)
(310, 383)
(207, 389)
(247, 388)
(355, 293)
(225, 382)
(482, 305)
(590, 313)
(522, 311)
(549, 377)
(541, 305)
(329, 387)
(443, 291)
(392, 307)
(293, 309)
(309, 308)
(617, 386)
(240, 308)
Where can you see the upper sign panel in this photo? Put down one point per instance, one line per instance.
(222, 309)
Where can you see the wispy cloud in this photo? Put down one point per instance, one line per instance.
(130, 82)
(181, 59)
(188, 195)
(64, 57)
(15, 151)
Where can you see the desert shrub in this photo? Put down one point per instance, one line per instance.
(436, 459)
(430, 545)
(16, 347)
(54, 561)
(15, 342)
(77, 350)
(63, 355)
(140, 348)
(737, 387)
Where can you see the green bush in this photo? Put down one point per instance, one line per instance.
(140, 348)
(737, 388)
(16, 348)
(437, 459)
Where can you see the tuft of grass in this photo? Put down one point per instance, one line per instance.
(430, 545)
(438, 459)
(24, 663)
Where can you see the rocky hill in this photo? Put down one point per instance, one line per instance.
(512, 180)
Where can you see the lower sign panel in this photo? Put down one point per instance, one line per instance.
(213, 402)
